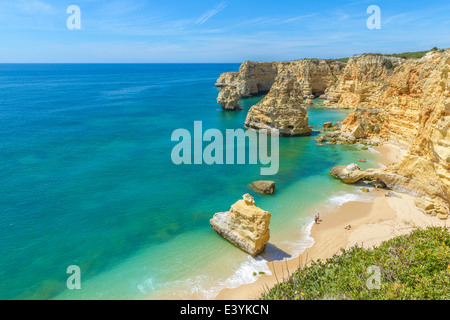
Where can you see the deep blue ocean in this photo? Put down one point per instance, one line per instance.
(87, 180)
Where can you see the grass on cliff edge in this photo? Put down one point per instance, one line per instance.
(404, 55)
(414, 266)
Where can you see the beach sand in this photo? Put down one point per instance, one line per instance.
(371, 224)
(390, 153)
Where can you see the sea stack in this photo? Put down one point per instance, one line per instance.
(228, 98)
(244, 225)
(282, 109)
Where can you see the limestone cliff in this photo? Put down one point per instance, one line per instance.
(283, 108)
(413, 110)
(253, 78)
(245, 225)
(406, 102)
(363, 76)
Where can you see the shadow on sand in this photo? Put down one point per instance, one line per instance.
(273, 253)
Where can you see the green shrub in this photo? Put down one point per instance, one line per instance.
(414, 266)
(388, 64)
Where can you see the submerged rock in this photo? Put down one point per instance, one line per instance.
(264, 186)
(244, 225)
(320, 139)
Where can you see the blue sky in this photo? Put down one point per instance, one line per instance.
(215, 30)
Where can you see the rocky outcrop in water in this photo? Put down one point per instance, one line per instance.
(253, 78)
(245, 225)
(288, 84)
(282, 109)
(228, 98)
(264, 186)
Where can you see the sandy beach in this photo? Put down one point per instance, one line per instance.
(371, 223)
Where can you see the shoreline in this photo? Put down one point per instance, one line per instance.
(371, 223)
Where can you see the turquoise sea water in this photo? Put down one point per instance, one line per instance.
(87, 179)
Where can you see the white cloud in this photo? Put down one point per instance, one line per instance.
(211, 13)
(32, 6)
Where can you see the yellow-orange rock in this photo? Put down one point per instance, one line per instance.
(229, 98)
(245, 225)
(413, 110)
(363, 76)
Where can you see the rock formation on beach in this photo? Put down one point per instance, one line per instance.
(245, 225)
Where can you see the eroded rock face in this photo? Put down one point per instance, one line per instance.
(363, 76)
(228, 98)
(408, 184)
(406, 102)
(253, 78)
(288, 84)
(282, 110)
(245, 225)
(228, 79)
(413, 110)
(313, 75)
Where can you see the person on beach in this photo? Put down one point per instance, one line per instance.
(348, 227)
